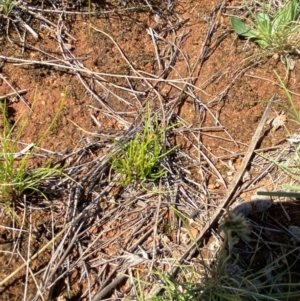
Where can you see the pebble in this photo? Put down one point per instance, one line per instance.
(244, 208)
(295, 230)
(261, 202)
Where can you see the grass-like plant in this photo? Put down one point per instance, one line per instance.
(140, 158)
(274, 28)
(15, 176)
(7, 6)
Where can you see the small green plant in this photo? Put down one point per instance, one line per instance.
(6, 6)
(140, 158)
(275, 28)
(15, 176)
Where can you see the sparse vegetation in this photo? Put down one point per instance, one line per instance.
(140, 220)
(228, 277)
(291, 164)
(15, 176)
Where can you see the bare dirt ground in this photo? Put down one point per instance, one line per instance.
(183, 59)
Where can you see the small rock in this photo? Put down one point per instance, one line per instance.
(233, 271)
(261, 202)
(246, 176)
(244, 208)
(295, 230)
(211, 186)
(262, 205)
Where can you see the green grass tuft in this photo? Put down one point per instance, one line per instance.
(15, 176)
(140, 158)
(6, 7)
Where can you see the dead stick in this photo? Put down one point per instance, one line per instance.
(21, 92)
